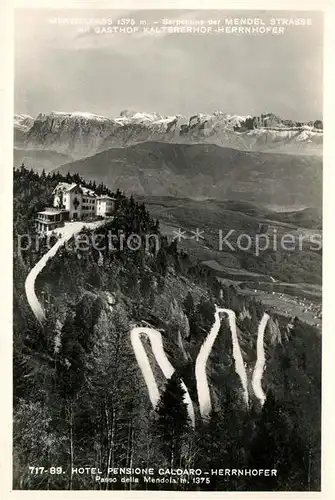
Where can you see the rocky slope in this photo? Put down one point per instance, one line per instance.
(22, 124)
(83, 134)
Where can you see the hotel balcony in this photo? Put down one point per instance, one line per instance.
(51, 218)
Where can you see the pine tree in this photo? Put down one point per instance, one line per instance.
(188, 304)
(277, 445)
(173, 425)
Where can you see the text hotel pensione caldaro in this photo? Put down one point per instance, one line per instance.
(151, 475)
(174, 472)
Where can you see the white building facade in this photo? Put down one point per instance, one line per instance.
(81, 202)
(69, 197)
(105, 206)
(89, 203)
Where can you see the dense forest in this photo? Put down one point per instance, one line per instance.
(80, 399)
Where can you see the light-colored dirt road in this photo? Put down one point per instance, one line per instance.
(260, 363)
(156, 343)
(204, 397)
(65, 233)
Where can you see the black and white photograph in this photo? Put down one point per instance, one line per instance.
(167, 250)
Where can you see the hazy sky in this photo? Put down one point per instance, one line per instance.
(59, 69)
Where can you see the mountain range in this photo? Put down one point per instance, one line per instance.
(79, 134)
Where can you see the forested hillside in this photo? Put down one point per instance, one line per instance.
(79, 396)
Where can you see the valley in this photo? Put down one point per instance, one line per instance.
(287, 282)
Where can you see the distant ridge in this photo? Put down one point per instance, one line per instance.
(206, 171)
(81, 134)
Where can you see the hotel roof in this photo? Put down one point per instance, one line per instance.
(88, 192)
(106, 197)
(65, 187)
(52, 211)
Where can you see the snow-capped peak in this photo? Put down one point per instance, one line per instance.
(79, 133)
(72, 114)
(22, 121)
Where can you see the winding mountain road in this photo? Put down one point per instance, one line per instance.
(204, 397)
(155, 339)
(33, 301)
(260, 363)
(65, 233)
(156, 342)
